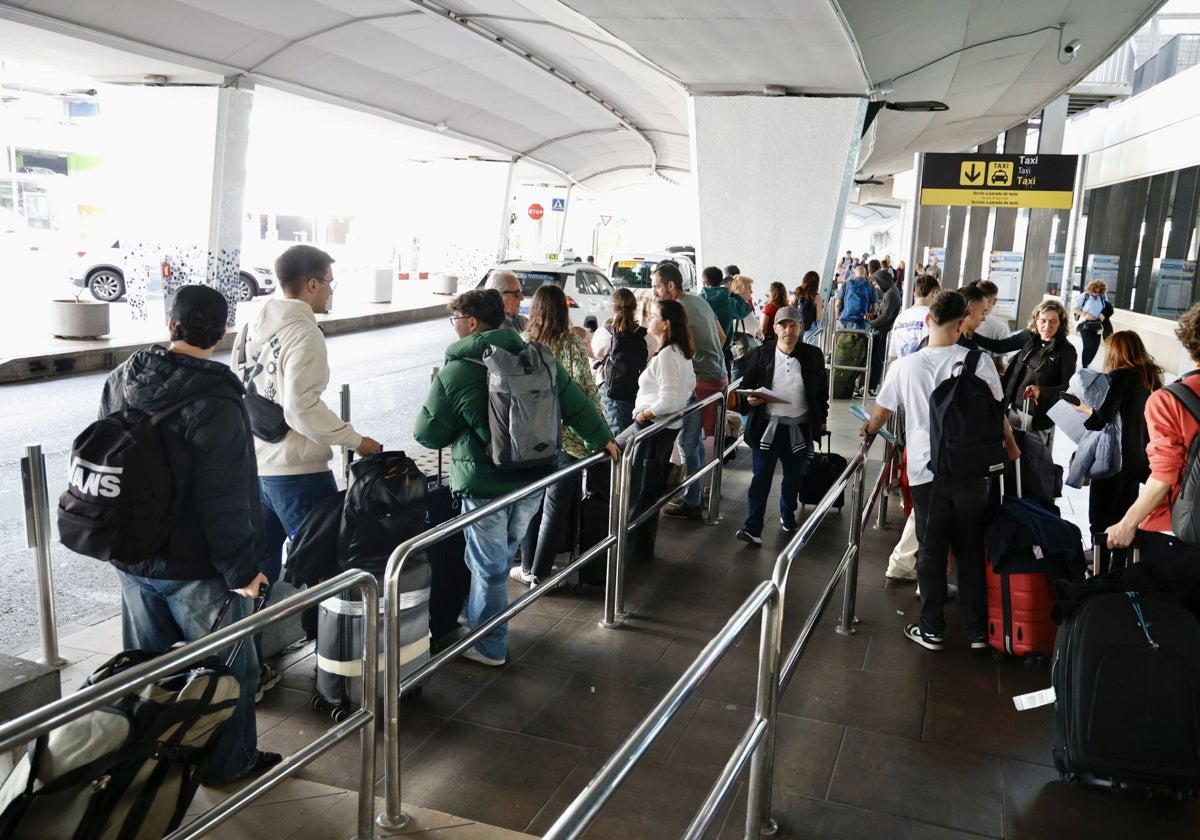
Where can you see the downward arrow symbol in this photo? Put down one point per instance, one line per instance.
(973, 174)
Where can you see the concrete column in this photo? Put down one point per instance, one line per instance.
(1036, 267)
(1004, 230)
(231, 137)
(773, 175)
(952, 271)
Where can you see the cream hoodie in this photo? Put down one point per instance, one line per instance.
(286, 361)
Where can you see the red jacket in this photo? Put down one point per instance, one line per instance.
(1171, 428)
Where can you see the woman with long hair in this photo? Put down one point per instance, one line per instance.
(1133, 375)
(1042, 369)
(776, 299)
(808, 301)
(550, 324)
(667, 382)
(623, 325)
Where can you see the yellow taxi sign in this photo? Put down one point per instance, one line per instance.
(975, 180)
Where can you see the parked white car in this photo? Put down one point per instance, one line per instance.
(632, 269)
(102, 272)
(589, 294)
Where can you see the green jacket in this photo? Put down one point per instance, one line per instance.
(727, 306)
(455, 414)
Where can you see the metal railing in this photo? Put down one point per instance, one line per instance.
(393, 817)
(757, 744)
(43, 720)
(865, 370)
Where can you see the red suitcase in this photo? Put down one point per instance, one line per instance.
(1019, 622)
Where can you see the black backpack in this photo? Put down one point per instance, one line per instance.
(1185, 510)
(385, 505)
(624, 364)
(966, 425)
(120, 504)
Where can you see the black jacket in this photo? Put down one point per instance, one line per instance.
(1127, 398)
(218, 527)
(1047, 364)
(760, 372)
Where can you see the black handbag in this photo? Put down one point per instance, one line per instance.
(266, 416)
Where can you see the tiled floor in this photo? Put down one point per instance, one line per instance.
(877, 737)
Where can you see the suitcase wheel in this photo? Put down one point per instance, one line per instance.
(1033, 660)
(340, 713)
(998, 655)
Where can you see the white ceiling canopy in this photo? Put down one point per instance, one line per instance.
(596, 90)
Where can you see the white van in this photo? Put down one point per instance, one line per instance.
(632, 269)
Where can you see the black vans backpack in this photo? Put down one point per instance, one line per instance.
(1185, 510)
(119, 501)
(966, 425)
(624, 364)
(385, 506)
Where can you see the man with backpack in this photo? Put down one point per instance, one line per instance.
(213, 544)
(1165, 519)
(460, 412)
(951, 449)
(726, 305)
(855, 298)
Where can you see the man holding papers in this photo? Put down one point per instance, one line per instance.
(785, 384)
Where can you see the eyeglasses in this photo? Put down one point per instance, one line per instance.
(454, 318)
(517, 293)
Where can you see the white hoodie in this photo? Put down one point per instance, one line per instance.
(286, 362)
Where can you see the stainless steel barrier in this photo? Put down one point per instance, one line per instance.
(43, 720)
(865, 370)
(37, 534)
(757, 744)
(393, 817)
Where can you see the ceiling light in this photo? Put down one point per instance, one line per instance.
(917, 105)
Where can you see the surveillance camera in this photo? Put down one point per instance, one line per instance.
(1072, 47)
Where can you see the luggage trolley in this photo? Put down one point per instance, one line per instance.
(833, 365)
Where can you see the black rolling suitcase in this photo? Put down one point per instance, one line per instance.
(649, 481)
(385, 505)
(824, 468)
(450, 579)
(1126, 678)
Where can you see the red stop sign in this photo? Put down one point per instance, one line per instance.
(536, 211)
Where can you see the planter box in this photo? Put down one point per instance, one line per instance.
(78, 318)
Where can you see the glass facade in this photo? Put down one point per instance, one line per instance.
(1140, 237)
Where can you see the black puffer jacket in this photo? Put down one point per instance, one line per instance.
(218, 527)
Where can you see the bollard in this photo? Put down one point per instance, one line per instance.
(347, 454)
(37, 532)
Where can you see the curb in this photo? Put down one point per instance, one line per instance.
(49, 365)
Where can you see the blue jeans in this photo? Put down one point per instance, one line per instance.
(764, 460)
(696, 426)
(618, 413)
(156, 614)
(491, 546)
(286, 500)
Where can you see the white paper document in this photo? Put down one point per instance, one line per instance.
(1067, 418)
(765, 394)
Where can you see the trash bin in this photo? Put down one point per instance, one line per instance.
(381, 289)
(446, 284)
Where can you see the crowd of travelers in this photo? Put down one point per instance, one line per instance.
(249, 478)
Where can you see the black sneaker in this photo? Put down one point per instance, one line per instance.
(682, 510)
(788, 523)
(746, 537)
(913, 631)
(980, 644)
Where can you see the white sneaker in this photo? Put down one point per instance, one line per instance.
(521, 576)
(475, 656)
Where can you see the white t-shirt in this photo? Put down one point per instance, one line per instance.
(907, 331)
(910, 382)
(602, 340)
(993, 327)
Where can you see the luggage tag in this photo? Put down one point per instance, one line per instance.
(1034, 699)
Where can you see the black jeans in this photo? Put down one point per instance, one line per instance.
(950, 517)
(1091, 344)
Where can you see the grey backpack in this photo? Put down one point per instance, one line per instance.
(1185, 510)
(524, 417)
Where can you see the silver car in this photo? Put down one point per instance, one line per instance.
(102, 272)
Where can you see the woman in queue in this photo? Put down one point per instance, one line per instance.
(623, 324)
(1133, 375)
(777, 298)
(550, 324)
(1092, 310)
(1041, 370)
(807, 298)
(667, 382)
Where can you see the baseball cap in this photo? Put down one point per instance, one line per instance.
(199, 306)
(788, 313)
